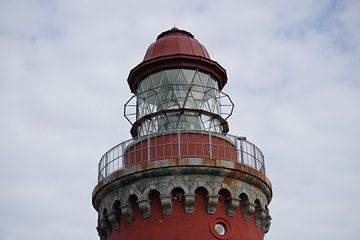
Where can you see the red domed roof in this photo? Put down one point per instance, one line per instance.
(174, 49)
(175, 41)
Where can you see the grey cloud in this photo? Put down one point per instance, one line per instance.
(293, 72)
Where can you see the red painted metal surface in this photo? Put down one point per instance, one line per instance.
(184, 226)
(175, 41)
(176, 49)
(192, 145)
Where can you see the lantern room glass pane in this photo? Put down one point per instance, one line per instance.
(156, 78)
(177, 76)
(179, 121)
(189, 74)
(172, 74)
(176, 90)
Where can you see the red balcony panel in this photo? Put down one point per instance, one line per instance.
(167, 146)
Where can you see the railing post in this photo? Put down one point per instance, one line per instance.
(255, 161)
(148, 148)
(106, 164)
(224, 148)
(99, 171)
(241, 152)
(210, 146)
(236, 148)
(179, 144)
(122, 154)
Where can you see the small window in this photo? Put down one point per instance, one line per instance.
(220, 229)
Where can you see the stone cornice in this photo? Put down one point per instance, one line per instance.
(189, 166)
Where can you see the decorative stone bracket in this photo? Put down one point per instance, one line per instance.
(114, 218)
(231, 205)
(189, 203)
(103, 228)
(105, 225)
(266, 222)
(263, 219)
(128, 213)
(145, 207)
(102, 234)
(260, 214)
(166, 204)
(212, 202)
(247, 209)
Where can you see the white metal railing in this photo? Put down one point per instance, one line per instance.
(217, 146)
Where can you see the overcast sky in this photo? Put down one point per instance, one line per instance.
(294, 76)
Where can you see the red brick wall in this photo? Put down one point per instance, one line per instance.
(183, 226)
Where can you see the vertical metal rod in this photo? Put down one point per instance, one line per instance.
(179, 144)
(255, 163)
(122, 155)
(99, 171)
(241, 152)
(106, 164)
(236, 149)
(210, 146)
(118, 158)
(187, 144)
(224, 157)
(171, 144)
(148, 148)
(112, 164)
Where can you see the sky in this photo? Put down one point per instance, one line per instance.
(294, 77)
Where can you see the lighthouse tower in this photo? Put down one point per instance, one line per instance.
(181, 176)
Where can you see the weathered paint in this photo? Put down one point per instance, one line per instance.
(192, 145)
(176, 49)
(197, 186)
(183, 226)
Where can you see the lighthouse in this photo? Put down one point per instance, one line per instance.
(182, 175)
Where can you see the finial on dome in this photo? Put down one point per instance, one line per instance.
(174, 28)
(175, 31)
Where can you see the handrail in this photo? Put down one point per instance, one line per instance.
(230, 147)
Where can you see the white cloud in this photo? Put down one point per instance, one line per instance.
(293, 72)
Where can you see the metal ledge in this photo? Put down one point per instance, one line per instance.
(223, 123)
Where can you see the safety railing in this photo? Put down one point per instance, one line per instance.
(181, 144)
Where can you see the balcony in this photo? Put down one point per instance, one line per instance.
(181, 144)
